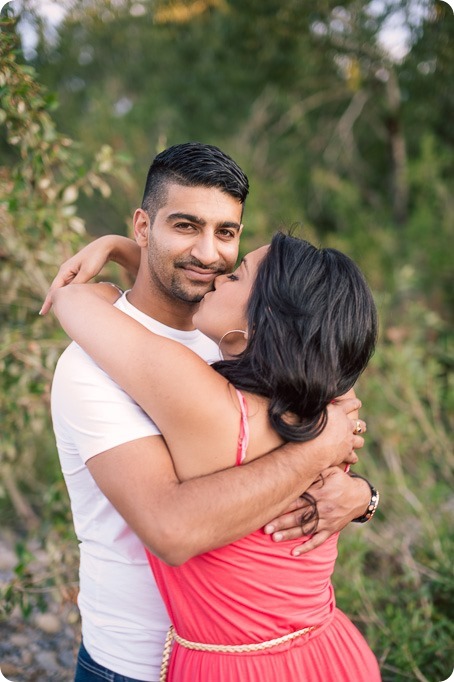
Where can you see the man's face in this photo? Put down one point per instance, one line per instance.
(193, 239)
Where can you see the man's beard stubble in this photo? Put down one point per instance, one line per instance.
(176, 290)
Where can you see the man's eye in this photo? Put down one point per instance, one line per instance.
(183, 226)
(229, 234)
(232, 277)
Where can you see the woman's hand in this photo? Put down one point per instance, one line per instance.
(350, 395)
(360, 425)
(340, 438)
(90, 260)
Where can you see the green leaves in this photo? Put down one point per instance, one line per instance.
(42, 176)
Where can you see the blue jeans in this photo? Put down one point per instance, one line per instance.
(87, 670)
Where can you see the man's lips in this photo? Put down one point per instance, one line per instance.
(200, 275)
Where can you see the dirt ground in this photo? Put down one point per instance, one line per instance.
(42, 647)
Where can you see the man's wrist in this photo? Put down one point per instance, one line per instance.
(303, 458)
(372, 498)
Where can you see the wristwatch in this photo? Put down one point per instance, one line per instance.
(373, 504)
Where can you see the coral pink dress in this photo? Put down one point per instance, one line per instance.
(253, 591)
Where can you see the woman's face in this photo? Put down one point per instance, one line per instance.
(224, 308)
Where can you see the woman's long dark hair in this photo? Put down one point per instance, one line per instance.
(312, 328)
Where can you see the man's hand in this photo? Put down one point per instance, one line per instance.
(339, 498)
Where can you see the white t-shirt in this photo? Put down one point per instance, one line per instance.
(124, 621)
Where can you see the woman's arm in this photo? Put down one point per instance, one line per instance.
(195, 408)
(90, 260)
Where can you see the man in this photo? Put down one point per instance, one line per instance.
(123, 489)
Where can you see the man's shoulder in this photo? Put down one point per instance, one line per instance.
(74, 357)
(86, 400)
(76, 370)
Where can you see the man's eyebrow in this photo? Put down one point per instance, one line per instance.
(229, 223)
(201, 221)
(186, 216)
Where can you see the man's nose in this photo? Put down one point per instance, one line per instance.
(205, 249)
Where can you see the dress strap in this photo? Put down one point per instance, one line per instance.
(243, 439)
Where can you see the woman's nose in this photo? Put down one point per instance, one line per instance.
(219, 280)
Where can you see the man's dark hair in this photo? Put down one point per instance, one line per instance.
(192, 164)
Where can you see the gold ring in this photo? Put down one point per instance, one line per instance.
(358, 427)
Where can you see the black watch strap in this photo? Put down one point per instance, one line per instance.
(373, 504)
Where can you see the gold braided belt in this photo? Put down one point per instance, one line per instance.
(223, 648)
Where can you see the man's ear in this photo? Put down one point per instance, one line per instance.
(141, 222)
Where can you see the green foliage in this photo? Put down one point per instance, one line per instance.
(39, 227)
(334, 133)
(48, 572)
(398, 586)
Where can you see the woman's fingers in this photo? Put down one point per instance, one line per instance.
(65, 275)
(349, 404)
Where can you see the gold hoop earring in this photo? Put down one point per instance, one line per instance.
(231, 331)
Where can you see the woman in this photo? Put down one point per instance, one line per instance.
(296, 326)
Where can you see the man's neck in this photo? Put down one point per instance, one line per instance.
(169, 311)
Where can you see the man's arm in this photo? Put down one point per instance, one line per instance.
(178, 520)
(131, 465)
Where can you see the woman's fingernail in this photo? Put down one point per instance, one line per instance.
(277, 537)
(269, 529)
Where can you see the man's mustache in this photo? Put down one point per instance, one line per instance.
(197, 264)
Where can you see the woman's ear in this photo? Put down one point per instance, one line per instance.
(141, 222)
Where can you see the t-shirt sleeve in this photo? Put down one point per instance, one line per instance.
(90, 412)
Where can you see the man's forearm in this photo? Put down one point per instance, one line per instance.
(201, 514)
(209, 512)
(179, 519)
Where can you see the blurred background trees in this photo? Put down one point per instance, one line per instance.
(338, 130)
